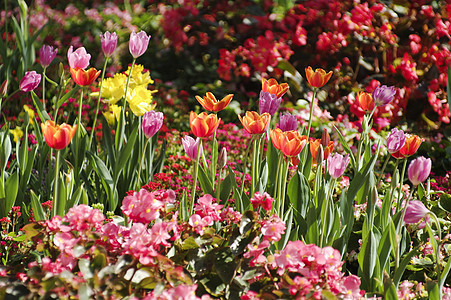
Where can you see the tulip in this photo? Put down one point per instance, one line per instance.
(365, 101)
(191, 146)
(314, 146)
(203, 125)
(383, 95)
(292, 143)
(138, 43)
(411, 146)
(276, 137)
(419, 170)
(210, 103)
(255, 123)
(337, 164)
(152, 122)
(287, 122)
(78, 58)
(415, 211)
(57, 136)
(222, 158)
(325, 138)
(46, 55)
(4, 88)
(84, 77)
(317, 78)
(30, 81)
(268, 103)
(271, 86)
(109, 43)
(395, 140)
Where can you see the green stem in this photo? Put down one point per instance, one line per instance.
(56, 203)
(401, 182)
(311, 113)
(43, 87)
(255, 156)
(121, 124)
(79, 113)
(283, 190)
(276, 185)
(126, 86)
(437, 250)
(246, 158)
(326, 212)
(138, 185)
(13, 93)
(214, 160)
(98, 103)
(196, 171)
(383, 169)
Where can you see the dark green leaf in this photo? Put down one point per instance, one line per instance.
(38, 210)
(205, 182)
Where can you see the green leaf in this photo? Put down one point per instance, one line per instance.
(61, 200)
(226, 187)
(66, 97)
(433, 291)
(11, 188)
(288, 219)
(403, 264)
(39, 108)
(390, 292)
(298, 192)
(38, 210)
(75, 198)
(367, 259)
(225, 265)
(444, 274)
(205, 182)
(125, 153)
(345, 145)
(107, 180)
(445, 202)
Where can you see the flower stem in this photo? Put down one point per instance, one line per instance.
(98, 103)
(140, 166)
(311, 113)
(80, 105)
(196, 171)
(383, 169)
(326, 212)
(283, 188)
(43, 87)
(56, 203)
(401, 182)
(246, 158)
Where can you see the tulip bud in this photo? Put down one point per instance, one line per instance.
(30, 81)
(325, 138)
(222, 159)
(60, 70)
(320, 155)
(4, 89)
(394, 180)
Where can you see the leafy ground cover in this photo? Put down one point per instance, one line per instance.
(321, 169)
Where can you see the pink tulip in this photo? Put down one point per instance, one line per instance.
(191, 146)
(109, 43)
(138, 43)
(336, 164)
(46, 55)
(415, 211)
(419, 170)
(30, 81)
(152, 122)
(395, 140)
(78, 58)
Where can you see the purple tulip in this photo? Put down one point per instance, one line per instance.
(419, 170)
(152, 122)
(395, 140)
(109, 43)
(415, 211)
(138, 43)
(46, 55)
(268, 103)
(336, 164)
(191, 145)
(78, 58)
(287, 122)
(30, 81)
(383, 95)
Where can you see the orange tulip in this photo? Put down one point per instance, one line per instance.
(271, 86)
(365, 101)
(411, 146)
(292, 143)
(255, 123)
(210, 103)
(276, 136)
(317, 78)
(84, 77)
(57, 136)
(203, 125)
(326, 151)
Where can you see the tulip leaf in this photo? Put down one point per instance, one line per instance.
(38, 210)
(226, 187)
(205, 182)
(272, 161)
(298, 192)
(288, 219)
(66, 97)
(345, 145)
(11, 189)
(403, 264)
(107, 180)
(444, 274)
(445, 202)
(159, 163)
(124, 153)
(43, 115)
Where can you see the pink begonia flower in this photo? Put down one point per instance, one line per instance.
(256, 253)
(65, 241)
(78, 58)
(191, 146)
(415, 211)
(30, 81)
(262, 200)
(229, 215)
(181, 292)
(46, 55)
(138, 43)
(151, 123)
(83, 218)
(352, 286)
(109, 43)
(336, 164)
(159, 234)
(395, 140)
(199, 223)
(273, 228)
(419, 170)
(206, 206)
(142, 206)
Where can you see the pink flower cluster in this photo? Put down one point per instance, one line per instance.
(145, 206)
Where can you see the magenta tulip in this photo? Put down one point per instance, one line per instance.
(30, 81)
(419, 170)
(109, 43)
(152, 122)
(383, 95)
(287, 122)
(138, 43)
(46, 55)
